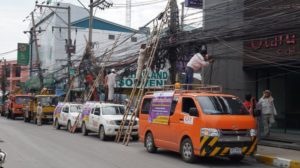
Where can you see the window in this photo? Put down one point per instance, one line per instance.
(187, 103)
(75, 109)
(66, 109)
(111, 37)
(7, 72)
(219, 105)
(97, 111)
(173, 105)
(133, 39)
(146, 105)
(18, 71)
(113, 110)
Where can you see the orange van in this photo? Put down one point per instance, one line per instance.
(202, 122)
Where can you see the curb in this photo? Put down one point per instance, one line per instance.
(277, 161)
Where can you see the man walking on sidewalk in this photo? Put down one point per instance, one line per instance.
(268, 110)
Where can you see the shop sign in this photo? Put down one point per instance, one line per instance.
(155, 79)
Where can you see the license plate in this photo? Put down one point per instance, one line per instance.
(235, 151)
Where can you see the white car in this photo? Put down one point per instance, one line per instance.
(65, 114)
(104, 119)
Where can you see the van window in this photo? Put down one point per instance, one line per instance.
(220, 105)
(173, 105)
(146, 105)
(187, 103)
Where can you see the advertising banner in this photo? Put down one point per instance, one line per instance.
(58, 109)
(23, 54)
(87, 109)
(160, 107)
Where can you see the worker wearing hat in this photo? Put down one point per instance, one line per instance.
(110, 83)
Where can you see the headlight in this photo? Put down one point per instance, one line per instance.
(111, 122)
(210, 132)
(253, 132)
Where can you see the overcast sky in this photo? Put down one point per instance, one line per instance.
(12, 14)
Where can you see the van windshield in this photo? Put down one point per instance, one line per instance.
(22, 100)
(113, 110)
(220, 105)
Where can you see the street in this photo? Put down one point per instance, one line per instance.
(31, 146)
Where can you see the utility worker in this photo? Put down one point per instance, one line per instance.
(39, 114)
(110, 83)
(199, 60)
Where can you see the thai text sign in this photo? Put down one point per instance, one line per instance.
(23, 54)
(155, 79)
(160, 107)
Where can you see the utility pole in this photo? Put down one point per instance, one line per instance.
(92, 5)
(40, 73)
(182, 15)
(69, 46)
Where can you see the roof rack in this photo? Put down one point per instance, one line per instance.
(181, 88)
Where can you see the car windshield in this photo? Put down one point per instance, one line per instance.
(22, 100)
(220, 105)
(113, 110)
(75, 109)
(48, 100)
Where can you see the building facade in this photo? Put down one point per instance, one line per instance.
(15, 75)
(256, 47)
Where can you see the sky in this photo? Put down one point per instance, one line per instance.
(12, 14)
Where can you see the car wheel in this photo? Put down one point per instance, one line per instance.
(236, 158)
(149, 143)
(187, 151)
(102, 135)
(69, 127)
(84, 130)
(56, 124)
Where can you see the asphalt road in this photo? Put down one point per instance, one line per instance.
(31, 146)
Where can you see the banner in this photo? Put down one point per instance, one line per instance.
(194, 4)
(23, 54)
(160, 107)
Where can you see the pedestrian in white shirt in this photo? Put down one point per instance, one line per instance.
(110, 83)
(268, 111)
(197, 62)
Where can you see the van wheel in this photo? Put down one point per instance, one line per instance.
(102, 135)
(236, 158)
(69, 127)
(84, 130)
(149, 143)
(187, 151)
(56, 124)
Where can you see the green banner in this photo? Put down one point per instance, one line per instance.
(23, 54)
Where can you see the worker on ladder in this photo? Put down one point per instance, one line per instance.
(197, 62)
(110, 84)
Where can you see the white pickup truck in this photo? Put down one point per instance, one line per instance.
(104, 119)
(65, 114)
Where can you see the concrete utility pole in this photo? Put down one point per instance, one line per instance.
(92, 5)
(182, 15)
(69, 40)
(37, 52)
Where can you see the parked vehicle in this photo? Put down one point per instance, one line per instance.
(16, 105)
(104, 119)
(48, 103)
(197, 123)
(65, 114)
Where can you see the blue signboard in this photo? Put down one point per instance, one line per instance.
(194, 3)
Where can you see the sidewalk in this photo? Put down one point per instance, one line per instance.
(279, 157)
(282, 140)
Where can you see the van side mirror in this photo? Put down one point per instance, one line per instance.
(193, 112)
(256, 113)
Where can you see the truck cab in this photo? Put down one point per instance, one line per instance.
(104, 119)
(17, 105)
(197, 123)
(66, 114)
